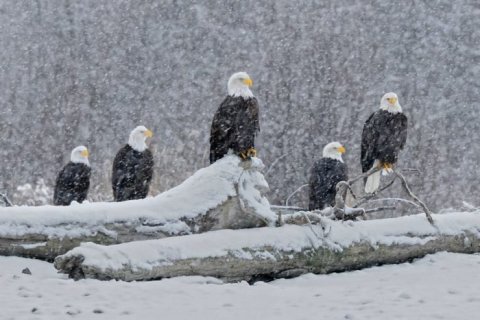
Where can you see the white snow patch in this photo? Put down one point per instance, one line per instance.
(404, 230)
(440, 286)
(204, 190)
(32, 245)
(174, 228)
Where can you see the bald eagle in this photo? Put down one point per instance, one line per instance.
(73, 180)
(133, 167)
(235, 124)
(324, 176)
(384, 135)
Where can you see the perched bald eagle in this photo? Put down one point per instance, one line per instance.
(384, 135)
(235, 124)
(324, 176)
(133, 167)
(73, 180)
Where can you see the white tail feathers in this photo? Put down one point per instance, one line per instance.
(373, 182)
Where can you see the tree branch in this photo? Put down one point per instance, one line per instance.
(380, 209)
(397, 199)
(5, 200)
(342, 188)
(363, 175)
(274, 163)
(292, 194)
(340, 209)
(342, 212)
(414, 170)
(369, 196)
(414, 197)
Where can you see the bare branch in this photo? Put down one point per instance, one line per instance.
(351, 192)
(279, 221)
(397, 200)
(4, 198)
(413, 170)
(274, 163)
(342, 212)
(342, 188)
(369, 196)
(292, 194)
(363, 175)
(380, 209)
(414, 197)
(311, 228)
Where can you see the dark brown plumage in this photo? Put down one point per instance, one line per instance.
(324, 176)
(384, 135)
(234, 126)
(72, 184)
(132, 174)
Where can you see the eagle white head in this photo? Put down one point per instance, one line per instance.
(80, 155)
(390, 103)
(334, 150)
(137, 138)
(239, 85)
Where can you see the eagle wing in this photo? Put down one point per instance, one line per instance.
(324, 176)
(222, 130)
(235, 125)
(72, 183)
(247, 125)
(403, 128)
(120, 172)
(147, 172)
(370, 136)
(132, 173)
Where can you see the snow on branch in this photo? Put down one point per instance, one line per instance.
(267, 253)
(227, 194)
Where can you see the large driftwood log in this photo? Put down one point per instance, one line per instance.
(268, 253)
(228, 194)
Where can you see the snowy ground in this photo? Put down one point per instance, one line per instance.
(441, 286)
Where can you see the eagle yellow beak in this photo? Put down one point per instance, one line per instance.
(248, 82)
(392, 100)
(341, 149)
(84, 153)
(148, 134)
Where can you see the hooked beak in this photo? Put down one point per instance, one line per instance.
(248, 82)
(341, 149)
(392, 101)
(148, 134)
(84, 153)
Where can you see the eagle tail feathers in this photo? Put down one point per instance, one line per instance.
(373, 182)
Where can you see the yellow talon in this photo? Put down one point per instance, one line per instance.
(251, 152)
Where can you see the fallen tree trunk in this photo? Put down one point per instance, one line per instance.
(227, 194)
(268, 253)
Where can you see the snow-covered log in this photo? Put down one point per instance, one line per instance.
(266, 253)
(227, 194)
